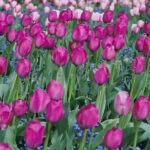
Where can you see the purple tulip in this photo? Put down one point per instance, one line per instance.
(11, 35)
(35, 29)
(148, 10)
(147, 27)
(26, 20)
(74, 44)
(49, 43)
(3, 27)
(140, 43)
(108, 15)
(4, 146)
(2, 17)
(52, 16)
(108, 40)
(52, 27)
(100, 31)
(3, 64)
(39, 39)
(109, 29)
(21, 34)
(9, 19)
(85, 15)
(94, 44)
(119, 42)
(60, 30)
(65, 15)
(146, 47)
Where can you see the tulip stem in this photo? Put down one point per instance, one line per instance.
(120, 119)
(132, 86)
(34, 116)
(81, 146)
(136, 134)
(98, 94)
(16, 125)
(47, 135)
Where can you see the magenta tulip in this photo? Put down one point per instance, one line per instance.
(108, 15)
(26, 20)
(90, 35)
(85, 15)
(100, 31)
(74, 44)
(52, 27)
(140, 43)
(21, 34)
(109, 29)
(119, 42)
(147, 27)
(148, 10)
(65, 15)
(52, 16)
(108, 40)
(3, 27)
(4, 146)
(35, 29)
(2, 17)
(146, 47)
(11, 35)
(94, 44)
(49, 43)
(39, 39)
(3, 64)
(60, 30)
(9, 19)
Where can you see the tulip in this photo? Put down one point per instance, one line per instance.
(54, 111)
(4, 146)
(9, 19)
(3, 27)
(19, 107)
(108, 40)
(118, 42)
(21, 34)
(77, 14)
(122, 103)
(87, 116)
(109, 29)
(94, 44)
(148, 11)
(17, 54)
(141, 108)
(140, 43)
(11, 35)
(65, 15)
(34, 133)
(35, 29)
(35, 16)
(140, 23)
(49, 43)
(78, 56)
(101, 74)
(52, 16)
(147, 27)
(108, 15)
(59, 55)
(26, 20)
(90, 35)
(3, 64)
(51, 89)
(46, 9)
(85, 15)
(95, 16)
(23, 67)
(38, 101)
(5, 114)
(113, 138)
(74, 44)
(2, 17)
(60, 30)
(146, 47)
(40, 39)
(100, 31)
(52, 27)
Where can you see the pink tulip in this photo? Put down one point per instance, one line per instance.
(146, 47)
(77, 14)
(74, 44)
(148, 10)
(13, 4)
(140, 43)
(94, 44)
(23, 67)
(19, 107)
(39, 39)
(140, 23)
(85, 15)
(49, 43)
(3, 27)
(60, 30)
(26, 2)
(30, 7)
(109, 29)
(46, 9)
(52, 16)
(108, 40)
(119, 42)
(5, 114)
(65, 15)
(17, 54)
(87, 116)
(11, 35)
(26, 20)
(2, 17)
(4, 146)
(7, 7)
(35, 16)
(52, 27)
(113, 138)
(141, 108)
(3, 64)
(34, 133)
(35, 29)
(18, 8)
(9, 19)
(134, 28)
(95, 16)
(108, 15)
(90, 35)
(100, 31)
(21, 34)
(101, 74)
(147, 27)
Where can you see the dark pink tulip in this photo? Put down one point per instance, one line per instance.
(65, 15)
(74, 44)
(17, 54)
(49, 43)
(52, 27)
(90, 35)
(146, 47)
(108, 15)
(54, 111)
(69, 14)
(141, 108)
(94, 44)
(24, 46)
(2, 17)
(19, 107)
(9, 19)
(148, 11)
(11, 35)
(119, 42)
(59, 55)
(147, 27)
(5, 114)
(3, 27)
(35, 29)
(3, 64)
(80, 32)
(51, 89)
(101, 74)
(78, 56)
(108, 53)
(113, 138)
(23, 67)
(21, 34)
(4, 146)
(85, 15)
(87, 116)
(100, 31)
(109, 29)
(26, 20)
(39, 39)
(52, 16)
(60, 30)
(138, 64)
(140, 43)
(122, 103)
(38, 100)
(34, 133)
(108, 40)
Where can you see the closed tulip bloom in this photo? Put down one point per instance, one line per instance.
(3, 64)
(146, 47)
(3, 27)
(23, 67)
(94, 44)
(119, 42)
(141, 108)
(34, 133)
(52, 27)
(122, 103)
(138, 64)
(113, 138)
(17, 54)
(109, 29)
(65, 15)
(51, 89)
(9, 19)
(2, 16)
(147, 27)
(49, 43)
(108, 15)
(26, 20)
(59, 55)
(108, 40)
(4, 146)
(54, 111)
(52, 16)
(148, 11)
(11, 35)
(5, 114)
(21, 34)
(140, 43)
(87, 116)
(60, 30)
(85, 15)
(100, 31)
(39, 39)
(19, 107)
(35, 29)
(38, 101)
(74, 44)
(90, 35)
(101, 74)
(78, 56)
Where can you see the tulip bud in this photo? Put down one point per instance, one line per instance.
(101, 74)
(54, 94)
(146, 47)
(108, 40)
(85, 15)
(148, 10)
(34, 133)
(73, 45)
(4, 146)
(2, 17)
(118, 42)
(21, 34)
(59, 55)
(39, 39)
(94, 44)
(35, 29)
(87, 116)
(109, 29)
(3, 27)
(3, 64)
(60, 30)
(100, 31)
(78, 56)
(52, 16)
(9, 19)
(141, 108)
(90, 35)
(5, 114)
(23, 67)
(49, 43)
(147, 27)
(108, 15)
(122, 103)
(11, 35)
(19, 107)
(54, 111)
(26, 20)
(52, 27)
(140, 43)
(113, 138)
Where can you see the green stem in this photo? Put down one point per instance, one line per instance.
(47, 135)
(34, 116)
(16, 125)
(136, 135)
(132, 86)
(30, 149)
(52, 70)
(81, 146)
(112, 73)
(120, 119)
(98, 94)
